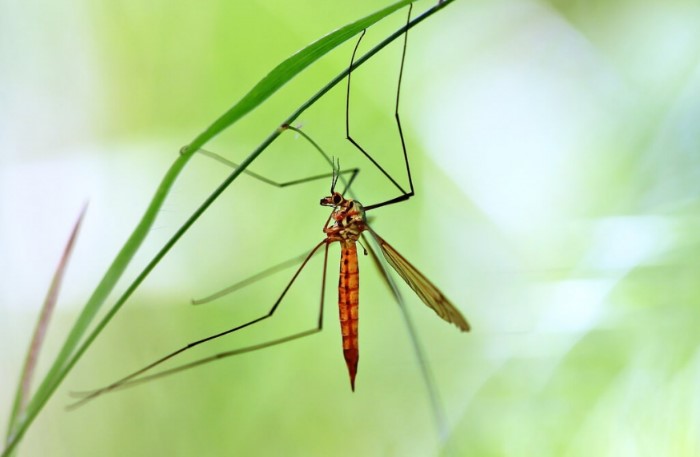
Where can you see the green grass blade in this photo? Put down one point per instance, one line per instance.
(287, 70)
(115, 271)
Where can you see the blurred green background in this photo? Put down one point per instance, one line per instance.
(555, 153)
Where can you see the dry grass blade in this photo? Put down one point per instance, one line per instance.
(25, 382)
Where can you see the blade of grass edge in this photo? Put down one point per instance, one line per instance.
(58, 373)
(42, 324)
(280, 75)
(436, 404)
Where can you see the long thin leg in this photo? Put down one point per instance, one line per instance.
(222, 355)
(250, 280)
(353, 171)
(404, 195)
(150, 366)
(426, 373)
(336, 171)
(333, 174)
(143, 379)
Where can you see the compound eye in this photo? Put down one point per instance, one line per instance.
(336, 198)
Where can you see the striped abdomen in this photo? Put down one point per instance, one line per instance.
(348, 301)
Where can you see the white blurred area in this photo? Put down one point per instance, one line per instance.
(57, 155)
(41, 198)
(52, 161)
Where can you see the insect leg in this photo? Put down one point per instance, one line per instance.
(137, 374)
(405, 195)
(426, 373)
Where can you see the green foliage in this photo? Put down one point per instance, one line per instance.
(72, 349)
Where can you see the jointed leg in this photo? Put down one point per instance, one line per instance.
(404, 194)
(136, 377)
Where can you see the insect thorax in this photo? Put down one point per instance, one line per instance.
(349, 221)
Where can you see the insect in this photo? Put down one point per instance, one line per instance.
(346, 225)
(349, 224)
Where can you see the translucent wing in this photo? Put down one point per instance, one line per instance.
(425, 289)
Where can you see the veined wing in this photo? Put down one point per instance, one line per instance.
(425, 289)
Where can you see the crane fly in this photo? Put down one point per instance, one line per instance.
(346, 225)
(350, 222)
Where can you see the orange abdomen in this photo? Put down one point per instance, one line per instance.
(348, 301)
